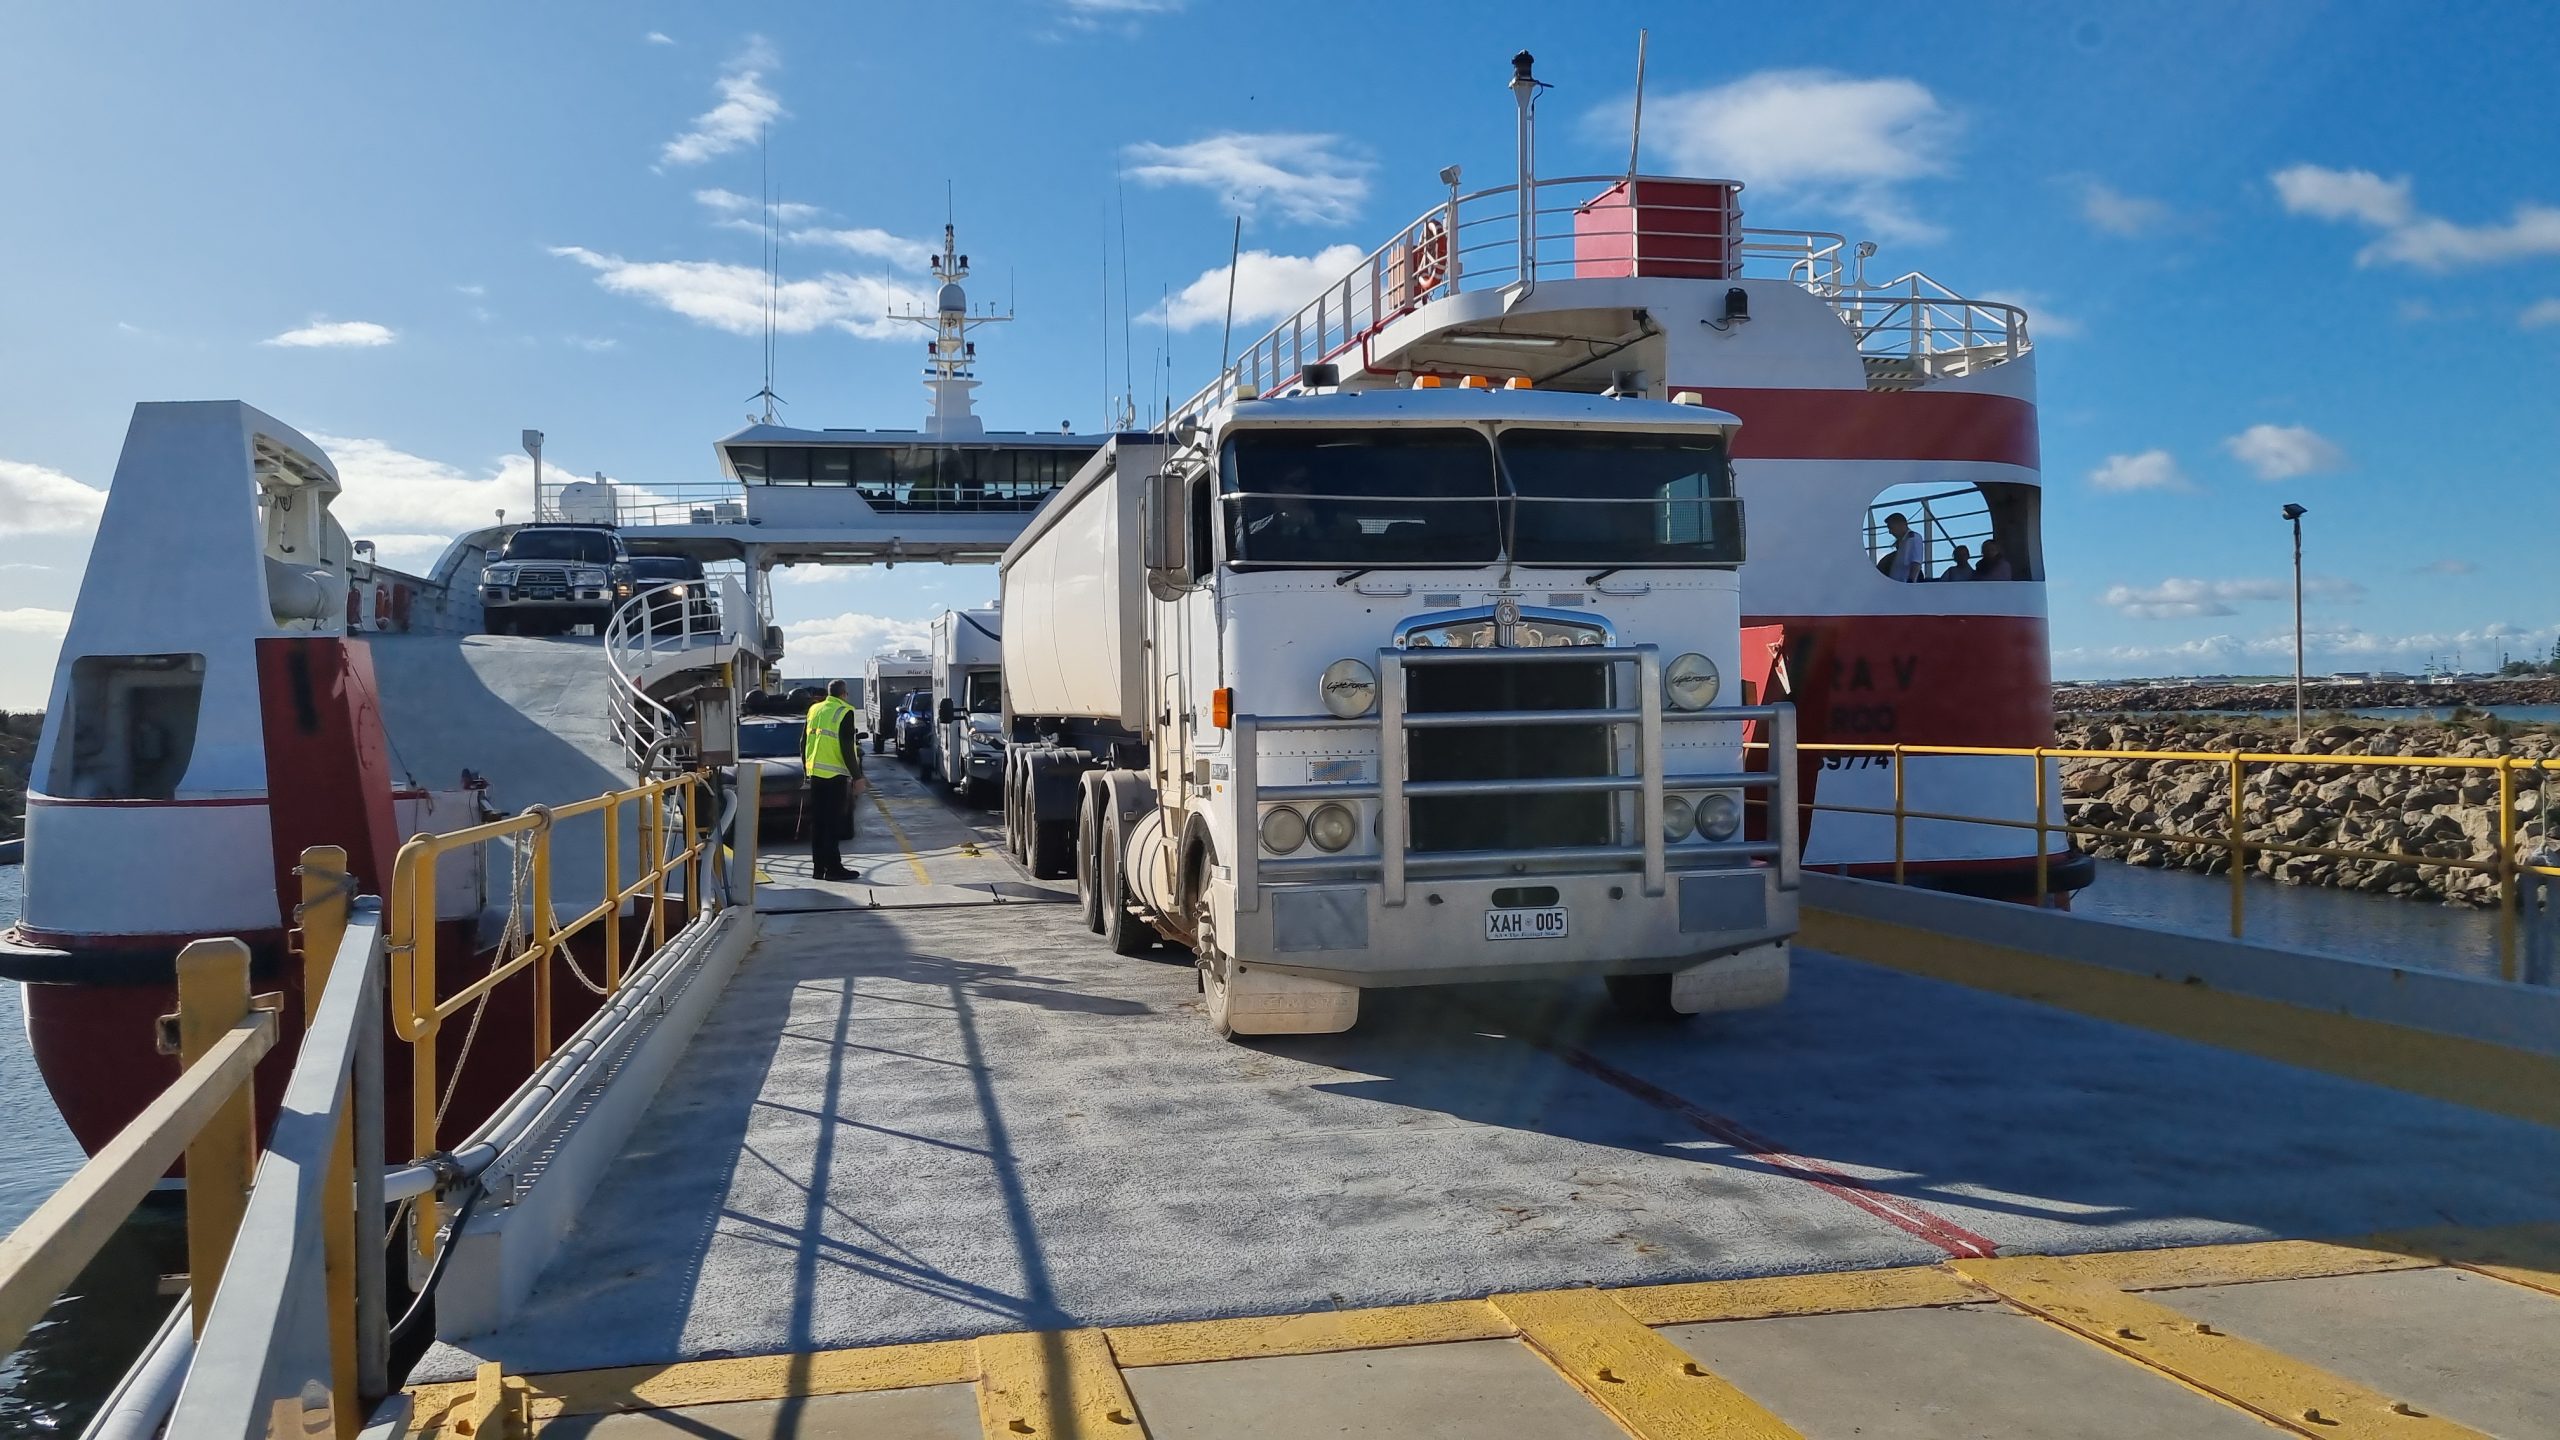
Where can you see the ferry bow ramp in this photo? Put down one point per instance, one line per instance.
(911, 1123)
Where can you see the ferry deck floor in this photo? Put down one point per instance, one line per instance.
(931, 1107)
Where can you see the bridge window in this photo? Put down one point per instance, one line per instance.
(917, 477)
(1957, 531)
(133, 727)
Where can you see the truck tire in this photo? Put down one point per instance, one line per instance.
(1053, 849)
(500, 623)
(1643, 997)
(1128, 934)
(1089, 856)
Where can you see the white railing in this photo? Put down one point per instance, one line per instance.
(709, 502)
(652, 635)
(1582, 227)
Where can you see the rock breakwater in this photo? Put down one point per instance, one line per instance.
(2084, 699)
(2430, 814)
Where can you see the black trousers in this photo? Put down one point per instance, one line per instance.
(830, 822)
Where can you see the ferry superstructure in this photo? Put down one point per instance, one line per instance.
(921, 1156)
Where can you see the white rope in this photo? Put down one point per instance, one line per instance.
(520, 868)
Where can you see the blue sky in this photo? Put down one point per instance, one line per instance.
(2274, 251)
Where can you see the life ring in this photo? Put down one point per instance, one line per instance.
(1430, 256)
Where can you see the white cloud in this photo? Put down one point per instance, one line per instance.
(733, 297)
(1125, 14)
(404, 501)
(474, 291)
(2149, 470)
(746, 108)
(866, 241)
(741, 209)
(2541, 314)
(2179, 599)
(32, 620)
(2282, 452)
(2117, 213)
(2450, 565)
(1847, 142)
(2409, 236)
(843, 642)
(2042, 319)
(35, 500)
(1308, 178)
(1268, 287)
(335, 334)
(2326, 648)
(658, 37)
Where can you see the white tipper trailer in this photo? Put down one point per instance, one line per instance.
(886, 679)
(968, 739)
(1406, 687)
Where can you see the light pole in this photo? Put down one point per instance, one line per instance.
(2294, 513)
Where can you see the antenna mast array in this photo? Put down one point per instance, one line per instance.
(950, 371)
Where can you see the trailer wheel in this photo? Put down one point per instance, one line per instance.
(1089, 856)
(1128, 934)
(1643, 997)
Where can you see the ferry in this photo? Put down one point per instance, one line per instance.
(670, 1136)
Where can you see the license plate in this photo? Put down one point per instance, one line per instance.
(1547, 924)
(544, 592)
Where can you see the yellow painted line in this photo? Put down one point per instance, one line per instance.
(2276, 1387)
(2246, 1263)
(2466, 1072)
(913, 862)
(2527, 1255)
(1781, 1295)
(713, 1382)
(1647, 1384)
(1259, 1337)
(1058, 1383)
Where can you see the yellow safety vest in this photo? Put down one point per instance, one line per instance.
(822, 742)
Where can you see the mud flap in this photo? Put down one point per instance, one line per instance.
(1268, 1002)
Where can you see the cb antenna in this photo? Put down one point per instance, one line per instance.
(1226, 336)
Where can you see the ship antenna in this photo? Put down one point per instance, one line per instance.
(1226, 336)
(1635, 139)
(772, 272)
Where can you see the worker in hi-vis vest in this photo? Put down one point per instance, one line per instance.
(830, 749)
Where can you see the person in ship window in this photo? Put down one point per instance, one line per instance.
(1995, 564)
(1903, 561)
(1962, 569)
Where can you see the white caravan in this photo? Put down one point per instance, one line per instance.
(886, 679)
(1406, 687)
(968, 740)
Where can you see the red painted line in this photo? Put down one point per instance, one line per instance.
(1894, 1210)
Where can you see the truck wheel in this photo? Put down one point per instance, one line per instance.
(1089, 858)
(1128, 934)
(1643, 997)
(1217, 990)
(499, 624)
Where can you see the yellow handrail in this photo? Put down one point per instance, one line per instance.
(2234, 839)
(417, 1014)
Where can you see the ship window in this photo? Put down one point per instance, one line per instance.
(132, 727)
(1995, 520)
(786, 465)
(831, 467)
(748, 461)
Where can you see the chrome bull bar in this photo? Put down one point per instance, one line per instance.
(1395, 864)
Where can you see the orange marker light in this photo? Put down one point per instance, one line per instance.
(1475, 382)
(1517, 382)
(1426, 382)
(1222, 708)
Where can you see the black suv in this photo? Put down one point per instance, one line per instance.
(552, 577)
(680, 600)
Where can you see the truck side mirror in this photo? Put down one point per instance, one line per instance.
(1166, 526)
(945, 712)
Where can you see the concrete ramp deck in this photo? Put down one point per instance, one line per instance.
(966, 1167)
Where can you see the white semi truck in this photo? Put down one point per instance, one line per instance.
(886, 679)
(1403, 687)
(968, 739)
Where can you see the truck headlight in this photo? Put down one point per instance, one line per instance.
(590, 577)
(1332, 827)
(1719, 816)
(1283, 830)
(1690, 682)
(1677, 817)
(1350, 689)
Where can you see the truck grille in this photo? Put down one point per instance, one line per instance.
(528, 578)
(1509, 752)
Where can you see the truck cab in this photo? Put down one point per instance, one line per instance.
(968, 701)
(1409, 686)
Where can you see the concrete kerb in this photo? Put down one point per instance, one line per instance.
(2518, 1017)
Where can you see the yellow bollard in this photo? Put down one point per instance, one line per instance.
(213, 996)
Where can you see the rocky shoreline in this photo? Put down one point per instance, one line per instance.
(2438, 814)
(2085, 699)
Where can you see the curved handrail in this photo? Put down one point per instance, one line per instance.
(646, 728)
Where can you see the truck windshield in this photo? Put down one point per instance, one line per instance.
(1590, 497)
(583, 546)
(1361, 497)
(1421, 497)
(986, 692)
